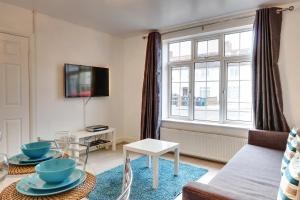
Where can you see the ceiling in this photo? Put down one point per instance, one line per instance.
(130, 17)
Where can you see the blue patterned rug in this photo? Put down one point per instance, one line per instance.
(109, 183)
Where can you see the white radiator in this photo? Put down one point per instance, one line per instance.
(205, 145)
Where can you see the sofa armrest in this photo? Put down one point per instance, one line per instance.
(269, 139)
(199, 191)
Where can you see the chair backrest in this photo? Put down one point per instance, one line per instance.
(76, 151)
(79, 152)
(54, 145)
(127, 181)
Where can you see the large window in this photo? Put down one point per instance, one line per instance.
(210, 78)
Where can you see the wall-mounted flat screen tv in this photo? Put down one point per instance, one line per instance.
(86, 81)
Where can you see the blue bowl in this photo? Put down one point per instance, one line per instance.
(36, 149)
(55, 170)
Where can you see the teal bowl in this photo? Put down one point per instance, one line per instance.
(36, 149)
(55, 170)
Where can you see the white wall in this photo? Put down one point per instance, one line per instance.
(289, 65)
(60, 42)
(134, 64)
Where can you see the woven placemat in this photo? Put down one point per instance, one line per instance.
(23, 169)
(81, 191)
(18, 169)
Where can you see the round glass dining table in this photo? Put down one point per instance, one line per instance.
(13, 178)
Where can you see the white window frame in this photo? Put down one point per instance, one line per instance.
(222, 79)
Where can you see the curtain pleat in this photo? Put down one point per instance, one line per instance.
(151, 96)
(267, 92)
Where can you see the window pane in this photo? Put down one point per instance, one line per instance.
(200, 115)
(205, 115)
(232, 106)
(213, 48)
(233, 71)
(238, 44)
(173, 51)
(212, 115)
(245, 107)
(175, 98)
(184, 113)
(233, 116)
(175, 108)
(208, 48)
(175, 90)
(200, 74)
(185, 76)
(180, 51)
(232, 44)
(246, 43)
(245, 91)
(175, 74)
(245, 116)
(213, 92)
(184, 98)
(184, 89)
(213, 72)
(239, 92)
(180, 91)
(206, 91)
(202, 49)
(212, 101)
(185, 50)
(233, 91)
(200, 93)
(245, 71)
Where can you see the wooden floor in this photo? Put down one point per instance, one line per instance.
(103, 160)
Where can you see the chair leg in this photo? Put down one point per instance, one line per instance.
(125, 156)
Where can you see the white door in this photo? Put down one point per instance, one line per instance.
(14, 93)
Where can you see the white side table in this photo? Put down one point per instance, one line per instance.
(154, 149)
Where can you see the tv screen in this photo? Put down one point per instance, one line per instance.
(86, 81)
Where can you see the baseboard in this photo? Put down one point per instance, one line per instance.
(126, 140)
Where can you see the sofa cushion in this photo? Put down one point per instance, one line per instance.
(290, 180)
(253, 173)
(291, 148)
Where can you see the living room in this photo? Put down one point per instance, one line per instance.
(160, 99)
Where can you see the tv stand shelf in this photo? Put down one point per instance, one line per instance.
(108, 138)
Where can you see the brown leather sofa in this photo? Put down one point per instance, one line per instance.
(252, 174)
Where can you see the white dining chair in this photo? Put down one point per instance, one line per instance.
(79, 152)
(54, 144)
(76, 151)
(127, 181)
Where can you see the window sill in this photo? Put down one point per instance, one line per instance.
(235, 130)
(207, 123)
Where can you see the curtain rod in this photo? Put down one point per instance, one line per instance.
(291, 8)
(203, 25)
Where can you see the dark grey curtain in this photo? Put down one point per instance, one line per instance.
(267, 94)
(151, 99)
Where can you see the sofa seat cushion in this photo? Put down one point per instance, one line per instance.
(254, 173)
